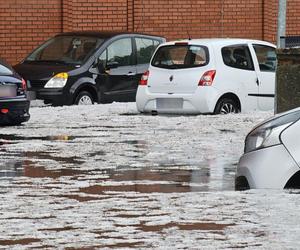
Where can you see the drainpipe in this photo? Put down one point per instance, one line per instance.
(281, 25)
(281, 33)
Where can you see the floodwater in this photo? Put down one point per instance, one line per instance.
(103, 177)
(176, 176)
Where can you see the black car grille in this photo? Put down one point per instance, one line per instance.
(35, 85)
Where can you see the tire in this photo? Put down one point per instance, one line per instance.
(226, 106)
(84, 98)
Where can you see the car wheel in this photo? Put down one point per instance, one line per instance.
(226, 106)
(84, 98)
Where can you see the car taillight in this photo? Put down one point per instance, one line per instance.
(4, 111)
(207, 78)
(23, 84)
(144, 79)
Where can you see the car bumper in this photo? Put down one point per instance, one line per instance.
(56, 97)
(202, 101)
(270, 167)
(14, 111)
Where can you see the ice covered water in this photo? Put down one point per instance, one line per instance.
(105, 176)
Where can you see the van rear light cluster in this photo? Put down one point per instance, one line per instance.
(207, 78)
(144, 79)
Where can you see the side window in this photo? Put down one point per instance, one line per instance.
(145, 48)
(237, 56)
(266, 57)
(119, 53)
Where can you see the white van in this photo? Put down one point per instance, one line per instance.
(217, 76)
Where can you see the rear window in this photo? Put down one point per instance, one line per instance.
(181, 57)
(5, 69)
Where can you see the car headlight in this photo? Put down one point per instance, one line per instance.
(268, 134)
(58, 81)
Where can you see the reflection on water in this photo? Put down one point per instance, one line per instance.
(47, 156)
(210, 175)
(25, 241)
(14, 169)
(160, 180)
(43, 138)
(11, 169)
(41, 172)
(191, 226)
(13, 138)
(145, 180)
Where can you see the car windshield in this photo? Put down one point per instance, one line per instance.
(5, 69)
(65, 50)
(180, 56)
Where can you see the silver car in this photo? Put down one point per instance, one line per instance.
(272, 154)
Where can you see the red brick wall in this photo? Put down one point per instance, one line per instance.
(95, 14)
(214, 18)
(270, 9)
(26, 23)
(293, 17)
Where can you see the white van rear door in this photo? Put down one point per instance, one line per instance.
(177, 68)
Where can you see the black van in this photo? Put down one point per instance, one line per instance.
(87, 67)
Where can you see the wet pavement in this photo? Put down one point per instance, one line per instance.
(106, 177)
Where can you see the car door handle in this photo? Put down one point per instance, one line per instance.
(131, 73)
(257, 82)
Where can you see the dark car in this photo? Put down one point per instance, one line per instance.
(88, 67)
(14, 106)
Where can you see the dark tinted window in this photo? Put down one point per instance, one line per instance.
(5, 69)
(145, 48)
(181, 56)
(237, 56)
(266, 57)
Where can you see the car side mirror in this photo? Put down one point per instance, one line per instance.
(101, 67)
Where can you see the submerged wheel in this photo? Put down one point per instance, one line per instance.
(226, 106)
(84, 98)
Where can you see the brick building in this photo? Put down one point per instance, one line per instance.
(26, 23)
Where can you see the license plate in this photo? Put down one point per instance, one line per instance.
(8, 90)
(169, 103)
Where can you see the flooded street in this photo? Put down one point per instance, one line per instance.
(106, 177)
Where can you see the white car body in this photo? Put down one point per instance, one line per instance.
(275, 165)
(178, 90)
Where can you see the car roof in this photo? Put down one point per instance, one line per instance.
(103, 34)
(219, 41)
